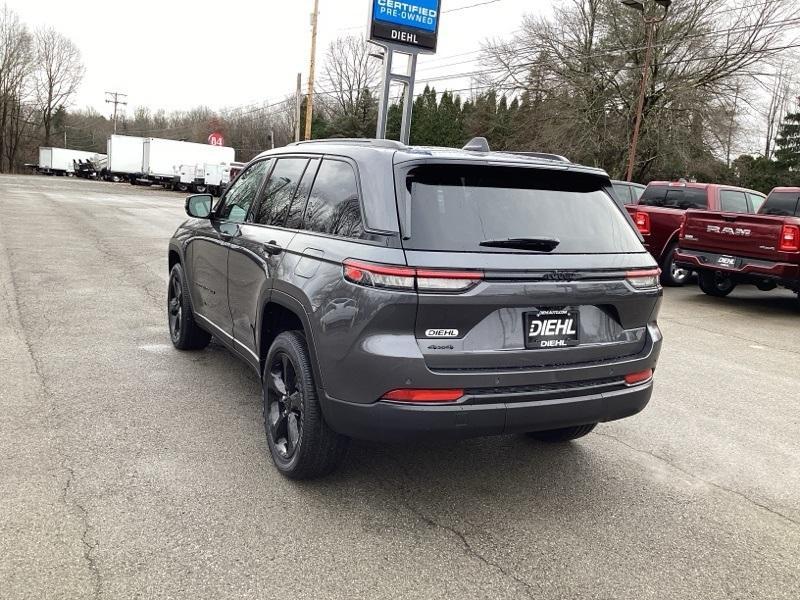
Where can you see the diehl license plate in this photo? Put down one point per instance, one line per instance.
(728, 261)
(554, 328)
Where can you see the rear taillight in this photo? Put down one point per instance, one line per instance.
(429, 396)
(640, 377)
(644, 280)
(790, 238)
(642, 221)
(409, 278)
(683, 227)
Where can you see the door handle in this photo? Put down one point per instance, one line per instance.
(272, 248)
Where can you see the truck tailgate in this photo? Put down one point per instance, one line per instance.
(755, 236)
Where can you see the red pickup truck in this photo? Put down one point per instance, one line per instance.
(727, 249)
(659, 213)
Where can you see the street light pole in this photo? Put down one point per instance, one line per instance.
(650, 27)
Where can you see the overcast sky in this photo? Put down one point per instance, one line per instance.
(176, 54)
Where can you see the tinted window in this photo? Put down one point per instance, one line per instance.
(623, 192)
(456, 208)
(242, 193)
(280, 190)
(674, 197)
(333, 206)
(756, 201)
(732, 201)
(783, 204)
(637, 191)
(295, 219)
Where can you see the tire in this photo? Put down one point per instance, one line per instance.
(563, 435)
(181, 187)
(713, 286)
(672, 275)
(183, 330)
(200, 189)
(300, 442)
(115, 179)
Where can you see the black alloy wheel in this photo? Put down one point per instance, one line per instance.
(300, 442)
(175, 307)
(183, 330)
(284, 406)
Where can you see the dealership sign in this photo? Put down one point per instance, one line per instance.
(411, 24)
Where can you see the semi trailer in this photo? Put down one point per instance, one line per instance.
(163, 159)
(124, 157)
(61, 161)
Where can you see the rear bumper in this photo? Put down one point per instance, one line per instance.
(749, 270)
(393, 422)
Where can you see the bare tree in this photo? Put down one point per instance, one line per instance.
(59, 74)
(16, 63)
(780, 94)
(583, 67)
(349, 74)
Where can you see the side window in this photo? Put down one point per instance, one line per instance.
(295, 219)
(623, 192)
(733, 201)
(756, 201)
(239, 198)
(637, 193)
(333, 206)
(280, 190)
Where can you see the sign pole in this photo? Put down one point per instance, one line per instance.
(411, 30)
(383, 103)
(408, 108)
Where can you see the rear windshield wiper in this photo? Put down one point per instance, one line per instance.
(538, 244)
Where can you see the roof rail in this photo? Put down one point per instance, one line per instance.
(355, 141)
(477, 144)
(543, 155)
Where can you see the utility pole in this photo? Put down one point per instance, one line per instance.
(298, 108)
(114, 98)
(310, 101)
(650, 26)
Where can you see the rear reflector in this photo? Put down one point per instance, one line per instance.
(642, 221)
(410, 395)
(640, 377)
(644, 280)
(409, 278)
(790, 238)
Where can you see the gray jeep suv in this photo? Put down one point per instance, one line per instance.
(391, 293)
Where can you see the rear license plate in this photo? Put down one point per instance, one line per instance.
(728, 261)
(552, 328)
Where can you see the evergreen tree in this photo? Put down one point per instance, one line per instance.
(788, 143)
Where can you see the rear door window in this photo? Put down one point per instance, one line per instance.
(623, 192)
(756, 201)
(456, 208)
(279, 191)
(681, 198)
(782, 204)
(333, 206)
(733, 201)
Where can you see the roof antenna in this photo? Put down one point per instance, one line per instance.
(478, 144)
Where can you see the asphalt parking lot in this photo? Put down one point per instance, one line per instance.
(131, 470)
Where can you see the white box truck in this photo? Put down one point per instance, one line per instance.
(125, 153)
(61, 161)
(162, 159)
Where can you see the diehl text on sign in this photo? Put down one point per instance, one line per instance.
(411, 23)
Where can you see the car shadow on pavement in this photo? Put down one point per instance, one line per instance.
(755, 302)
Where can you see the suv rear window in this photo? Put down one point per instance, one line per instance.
(782, 204)
(456, 207)
(663, 196)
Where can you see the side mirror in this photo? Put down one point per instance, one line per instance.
(199, 206)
